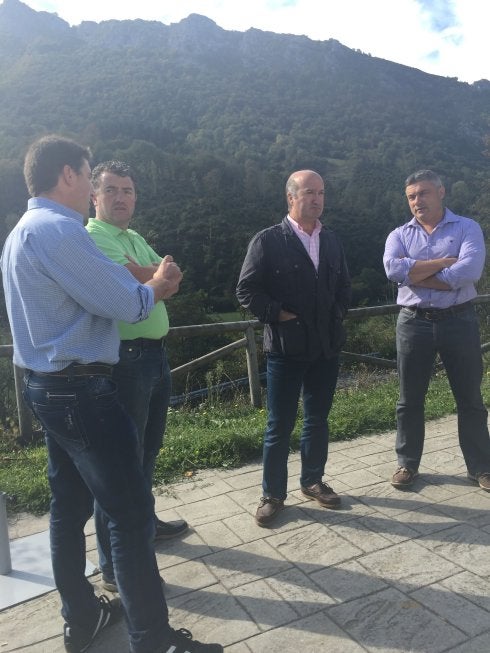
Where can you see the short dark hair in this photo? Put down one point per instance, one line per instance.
(116, 167)
(46, 158)
(423, 175)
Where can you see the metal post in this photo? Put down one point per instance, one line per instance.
(5, 561)
(253, 368)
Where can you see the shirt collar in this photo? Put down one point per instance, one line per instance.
(45, 203)
(448, 216)
(297, 227)
(109, 228)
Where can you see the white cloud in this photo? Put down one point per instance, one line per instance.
(443, 37)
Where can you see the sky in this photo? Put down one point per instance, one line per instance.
(442, 37)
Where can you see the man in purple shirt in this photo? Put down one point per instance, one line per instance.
(436, 259)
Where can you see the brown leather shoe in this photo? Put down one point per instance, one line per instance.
(404, 477)
(267, 510)
(323, 493)
(483, 480)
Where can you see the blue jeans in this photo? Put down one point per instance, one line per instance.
(92, 453)
(457, 340)
(144, 386)
(285, 379)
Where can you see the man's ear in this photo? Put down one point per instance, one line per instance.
(67, 174)
(442, 192)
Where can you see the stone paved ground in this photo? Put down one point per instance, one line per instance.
(391, 572)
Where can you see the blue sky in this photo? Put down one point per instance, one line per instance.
(443, 37)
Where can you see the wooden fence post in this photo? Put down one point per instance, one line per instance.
(253, 368)
(25, 417)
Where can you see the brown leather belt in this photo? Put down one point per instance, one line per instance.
(79, 369)
(438, 313)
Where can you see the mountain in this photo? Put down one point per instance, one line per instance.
(214, 121)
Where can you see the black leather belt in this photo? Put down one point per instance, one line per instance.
(79, 369)
(438, 313)
(145, 343)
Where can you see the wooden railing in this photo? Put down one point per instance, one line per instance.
(249, 342)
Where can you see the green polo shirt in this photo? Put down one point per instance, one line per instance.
(115, 243)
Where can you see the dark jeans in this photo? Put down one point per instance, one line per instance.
(285, 379)
(92, 453)
(457, 340)
(144, 386)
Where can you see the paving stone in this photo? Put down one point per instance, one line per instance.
(448, 461)
(393, 530)
(23, 524)
(218, 536)
(209, 510)
(313, 634)
(214, 486)
(359, 478)
(391, 572)
(188, 547)
(358, 534)
(454, 609)
(351, 508)
(165, 500)
(466, 545)
(340, 463)
(303, 595)
(212, 615)
(455, 484)
(363, 448)
(36, 621)
(474, 645)
(265, 606)
(472, 508)
(427, 520)
(241, 647)
(252, 479)
(246, 528)
(373, 460)
(386, 499)
(186, 577)
(408, 564)
(313, 547)
(471, 587)
(246, 563)
(390, 622)
(347, 581)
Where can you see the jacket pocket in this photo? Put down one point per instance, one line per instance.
(292, 337)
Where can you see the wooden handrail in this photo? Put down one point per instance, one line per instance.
(248, 328)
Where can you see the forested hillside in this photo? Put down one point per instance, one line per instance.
(214, 121)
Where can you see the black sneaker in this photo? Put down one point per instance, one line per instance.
(78, 640)
(180, 641)
(168, 530)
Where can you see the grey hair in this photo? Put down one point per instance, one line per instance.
(424, 175)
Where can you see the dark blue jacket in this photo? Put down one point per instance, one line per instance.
(277, 273)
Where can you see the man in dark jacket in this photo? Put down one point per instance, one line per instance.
(294, 279)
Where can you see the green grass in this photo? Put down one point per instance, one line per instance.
(227, 435)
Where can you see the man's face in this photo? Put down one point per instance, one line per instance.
(425, 201)
(114, 199)
(307, 204)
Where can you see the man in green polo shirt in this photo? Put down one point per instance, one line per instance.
(143, 372)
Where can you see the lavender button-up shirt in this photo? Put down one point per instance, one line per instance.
(454, 236)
